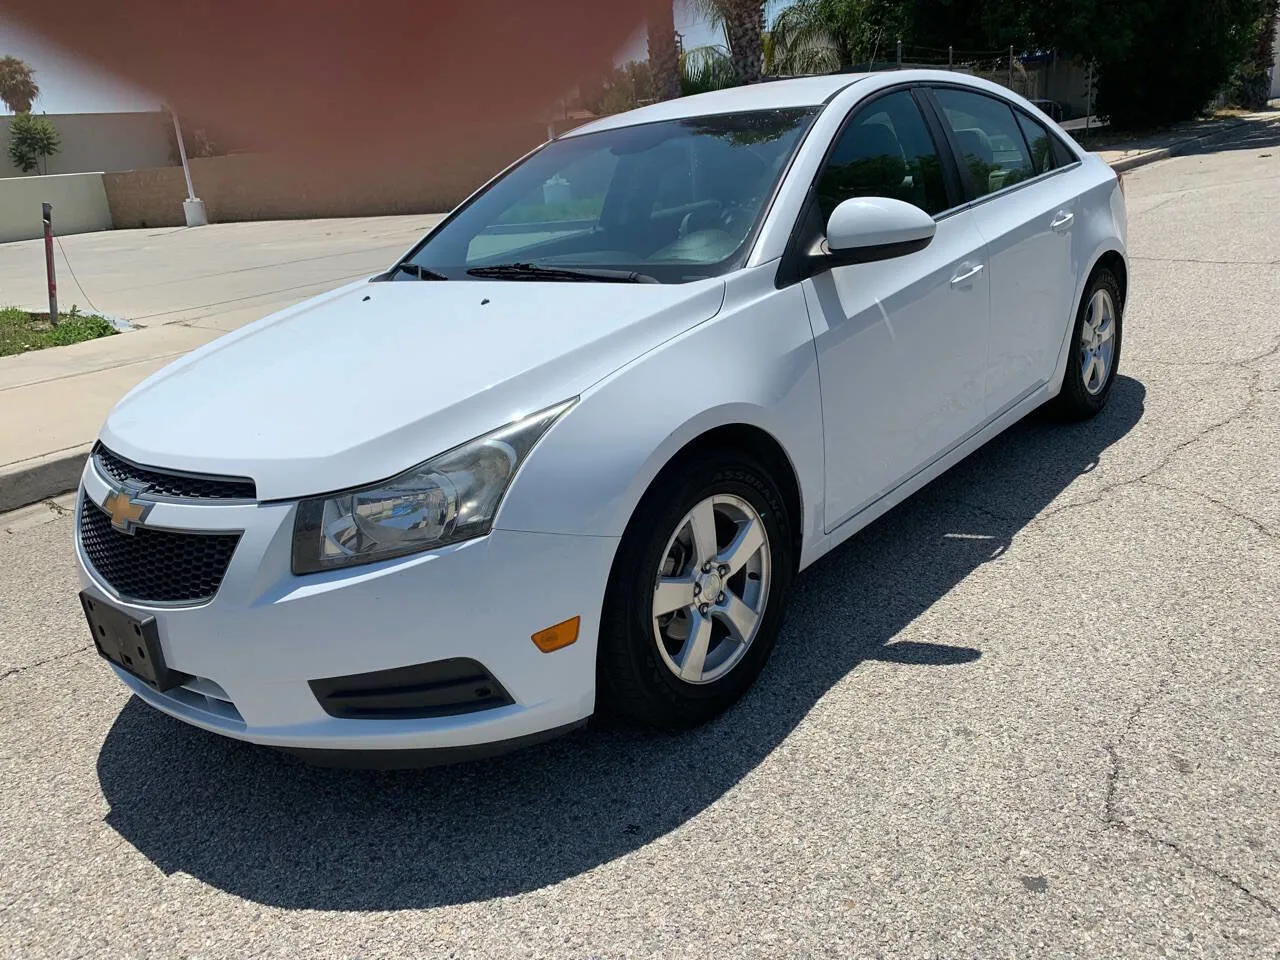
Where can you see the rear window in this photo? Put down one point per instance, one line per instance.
(1041, 143)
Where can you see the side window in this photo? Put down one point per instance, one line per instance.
(886, 151)
(991, 143)
(1041, 143)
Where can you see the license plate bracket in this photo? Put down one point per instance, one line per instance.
(131, 644)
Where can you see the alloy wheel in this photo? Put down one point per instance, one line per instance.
(711, 589)
(1097, 342)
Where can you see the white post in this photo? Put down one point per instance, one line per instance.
(192, 207)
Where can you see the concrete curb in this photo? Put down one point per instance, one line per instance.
(30, 481)
(1173, 150)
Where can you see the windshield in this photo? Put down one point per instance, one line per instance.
(673, 201)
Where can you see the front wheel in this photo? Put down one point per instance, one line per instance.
(1095, 350)
(696, 594)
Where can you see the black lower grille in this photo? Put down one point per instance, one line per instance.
(440, 689)
(155, 566)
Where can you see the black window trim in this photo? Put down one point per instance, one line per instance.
(790, 266)
(957, 153)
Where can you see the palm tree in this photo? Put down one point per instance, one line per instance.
(703, 69)
(664, 60)
(18, 87)
(743, 25)
(821, 36)
(805, 39)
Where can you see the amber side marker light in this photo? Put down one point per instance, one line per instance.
(561, 635)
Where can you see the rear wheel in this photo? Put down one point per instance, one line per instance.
(696, 594)
(1095, 350)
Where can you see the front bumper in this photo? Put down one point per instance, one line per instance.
(254, 648)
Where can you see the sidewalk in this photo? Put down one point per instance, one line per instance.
(183, 288)
(1127, 153)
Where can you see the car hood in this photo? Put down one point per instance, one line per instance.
(361, 383)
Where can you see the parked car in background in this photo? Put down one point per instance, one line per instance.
(569, 453)
(1054, 110)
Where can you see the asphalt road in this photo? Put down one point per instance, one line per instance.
(1035, 711)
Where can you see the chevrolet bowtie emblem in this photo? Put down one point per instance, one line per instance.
(126, 512)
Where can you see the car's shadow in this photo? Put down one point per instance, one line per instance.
(269, 828)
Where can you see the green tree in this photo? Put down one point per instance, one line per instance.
(1179, 57)
(18, 87)
(664, 59)
(1157, 61)
(32, 140)
(1252, 79)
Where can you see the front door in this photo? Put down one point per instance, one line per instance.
(901, 343)
(1027, 218)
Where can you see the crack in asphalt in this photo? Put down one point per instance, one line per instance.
(1236, 512)
(1254, 391)
(1206, 261)
(1112, 820)
(14, 671)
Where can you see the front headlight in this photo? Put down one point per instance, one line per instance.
(450, 498)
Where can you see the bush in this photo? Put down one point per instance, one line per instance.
(21, 331)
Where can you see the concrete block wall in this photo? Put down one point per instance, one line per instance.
(425, 177)
(264, 187)
(79, 205)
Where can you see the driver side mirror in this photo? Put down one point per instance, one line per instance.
(870, 229)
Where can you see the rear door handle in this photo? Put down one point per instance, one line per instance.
(1062, 221)
(960, 279)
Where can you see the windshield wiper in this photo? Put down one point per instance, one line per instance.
(531, 271)
(414, 270)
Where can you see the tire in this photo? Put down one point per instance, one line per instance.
(1084, 396)
(635, 680)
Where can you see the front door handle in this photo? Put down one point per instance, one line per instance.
(1062, 221)
(960, 279)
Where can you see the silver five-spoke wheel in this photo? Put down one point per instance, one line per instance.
(1097, 342)
(711, 588)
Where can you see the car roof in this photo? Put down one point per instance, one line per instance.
(782, 94)
(771, 95)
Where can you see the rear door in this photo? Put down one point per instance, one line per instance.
(901, 343)
(1025, 209)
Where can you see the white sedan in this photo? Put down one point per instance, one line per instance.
(571, 451)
